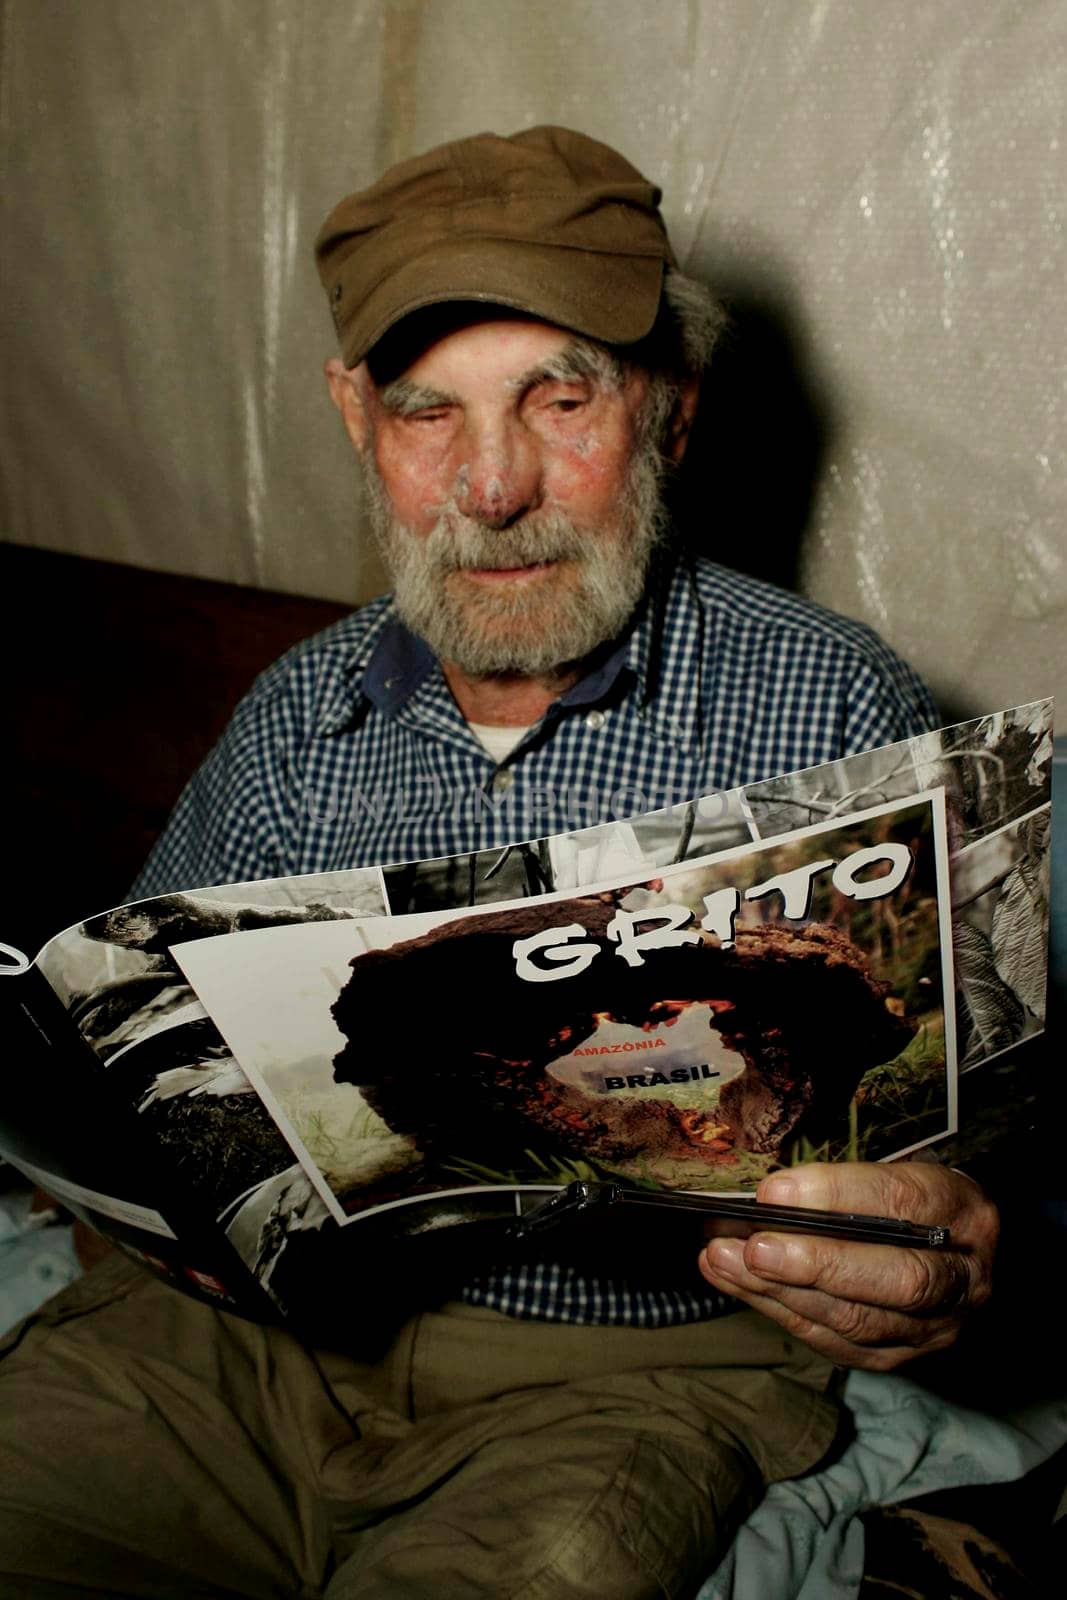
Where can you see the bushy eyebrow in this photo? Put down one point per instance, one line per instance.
(577, 362)
(402, 398)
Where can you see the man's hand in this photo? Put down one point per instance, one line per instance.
(865, 1305)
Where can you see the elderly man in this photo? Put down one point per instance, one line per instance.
(519, 371)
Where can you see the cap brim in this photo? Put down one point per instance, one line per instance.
(609, 297)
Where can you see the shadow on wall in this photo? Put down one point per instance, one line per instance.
(746, 492)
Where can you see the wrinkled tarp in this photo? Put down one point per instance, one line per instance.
(880, 190)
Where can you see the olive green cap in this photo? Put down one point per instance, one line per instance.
(546, 221)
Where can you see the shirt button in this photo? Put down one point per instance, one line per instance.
(595, 720)
(503, 780)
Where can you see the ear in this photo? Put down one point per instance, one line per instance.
(678, 428)
(346, 391)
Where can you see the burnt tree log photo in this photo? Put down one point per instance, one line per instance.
(453, 1048)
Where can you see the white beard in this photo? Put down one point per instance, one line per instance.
(539, 624)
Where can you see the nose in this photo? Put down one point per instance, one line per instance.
(499, 478)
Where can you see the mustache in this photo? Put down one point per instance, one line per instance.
(456, 542)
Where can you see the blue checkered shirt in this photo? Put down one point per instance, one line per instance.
(351, 751)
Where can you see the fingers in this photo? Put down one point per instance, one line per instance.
(916, 1282)
(840, 1298)
(920, 1191)
(867, 1305)
(877, 1346)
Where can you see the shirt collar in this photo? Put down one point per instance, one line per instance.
(400, 662)
(659, 656)
(347, 702)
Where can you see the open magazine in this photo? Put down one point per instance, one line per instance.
(263, 1089)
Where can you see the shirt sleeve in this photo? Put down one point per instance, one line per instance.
(887, 701)
(234, 814)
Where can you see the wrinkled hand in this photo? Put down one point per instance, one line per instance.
(865, 1305)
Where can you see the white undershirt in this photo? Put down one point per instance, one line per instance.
(498, 742)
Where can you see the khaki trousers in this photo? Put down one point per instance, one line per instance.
(152, 1446)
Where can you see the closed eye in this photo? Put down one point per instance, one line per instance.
(414, 402)
(559, 399)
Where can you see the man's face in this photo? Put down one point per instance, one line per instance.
(513, 493)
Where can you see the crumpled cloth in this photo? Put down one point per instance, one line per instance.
(36, 1257)
(805, 1540)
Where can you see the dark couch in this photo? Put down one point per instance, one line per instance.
(117, 682)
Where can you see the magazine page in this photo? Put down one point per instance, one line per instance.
(68, 1135)
(114, 1037)
(53, 1125)
(691, 1030)
(277, 1161)
(996, 772)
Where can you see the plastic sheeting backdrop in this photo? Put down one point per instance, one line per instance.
(878, 188)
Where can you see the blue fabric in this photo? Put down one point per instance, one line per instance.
(805, 1541)
(351, 751)
(37, 1257)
